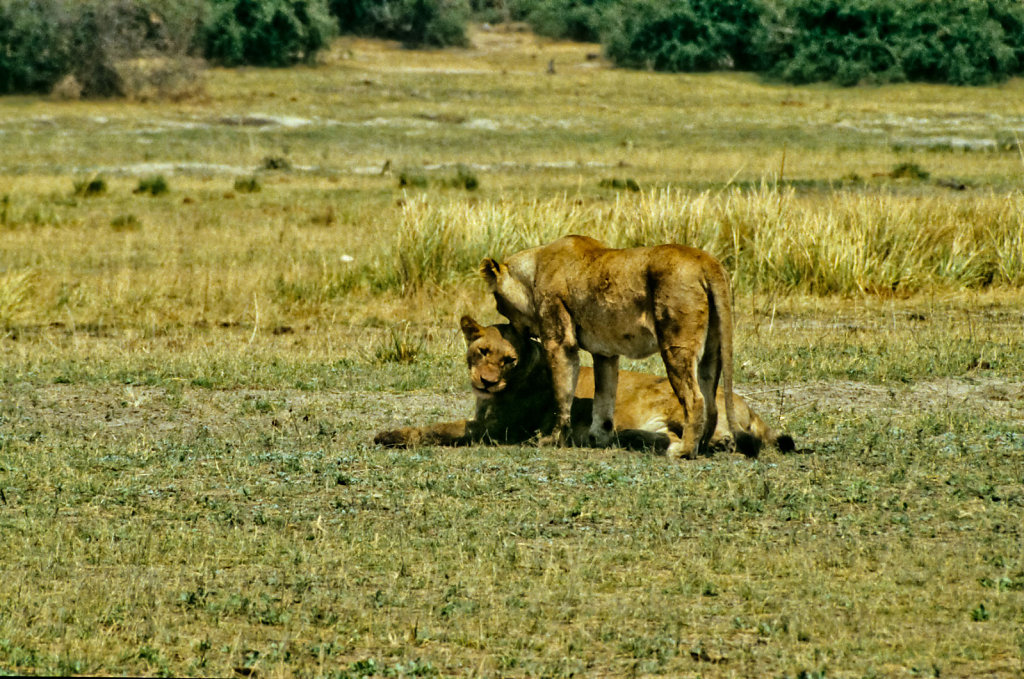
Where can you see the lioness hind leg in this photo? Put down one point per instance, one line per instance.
(681, 367)
(708, 372)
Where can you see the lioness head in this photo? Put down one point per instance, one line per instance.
(511, 284)
(493, 355)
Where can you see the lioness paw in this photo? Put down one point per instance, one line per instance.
(677, 450)
(599, 438)
(393, 438)
(556, 439)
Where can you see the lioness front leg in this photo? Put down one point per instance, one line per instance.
(442, 434)
(565, 370)
(606, 378)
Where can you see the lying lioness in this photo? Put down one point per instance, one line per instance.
(515, 401)
(576, 293)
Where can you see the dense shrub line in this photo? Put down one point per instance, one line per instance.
(962, 42)
(435, 23)
(100, 43)
(97, 42)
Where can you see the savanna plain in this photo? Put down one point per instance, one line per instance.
(208, 307)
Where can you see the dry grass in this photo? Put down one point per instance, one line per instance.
(190, 380)
(772, 240)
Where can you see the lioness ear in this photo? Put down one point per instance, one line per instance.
(490, 269)
(471, 330)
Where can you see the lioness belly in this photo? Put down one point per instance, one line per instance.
(643, 401)
(604, 339)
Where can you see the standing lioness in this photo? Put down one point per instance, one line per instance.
(575, 293)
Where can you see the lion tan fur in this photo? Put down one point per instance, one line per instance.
(576, 293)
(515, 398)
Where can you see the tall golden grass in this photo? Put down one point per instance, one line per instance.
(773, 240)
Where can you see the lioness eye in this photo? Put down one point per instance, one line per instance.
(507, 360)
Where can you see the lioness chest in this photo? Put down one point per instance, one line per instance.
(623, 335)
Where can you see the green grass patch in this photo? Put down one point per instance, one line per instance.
(665, 562)
(191, 384)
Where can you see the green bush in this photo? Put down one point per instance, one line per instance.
(250, 184)
(90, 187)
(95, 41)
(154, 186)
(683, 35)
(36, 51)
(436, 23)
(582, 20)
(463, 178)
(961, 42)
(266, 32)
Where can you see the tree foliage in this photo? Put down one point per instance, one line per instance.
(962, 42)
(683, 35)
(582, 20)
(435, 23)
(96, 42)
(266, 32)
(101, 44)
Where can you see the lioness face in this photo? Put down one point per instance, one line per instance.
(490, 356)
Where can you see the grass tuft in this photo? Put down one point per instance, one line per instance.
(154, 186)
(275, 163)
(772, 240)
(464, 178)
(618, 184)
(250, 184)
(909, 171)
(127, 222)
(400, 345)
(90, 187)
(412, 177)
(15, 292)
